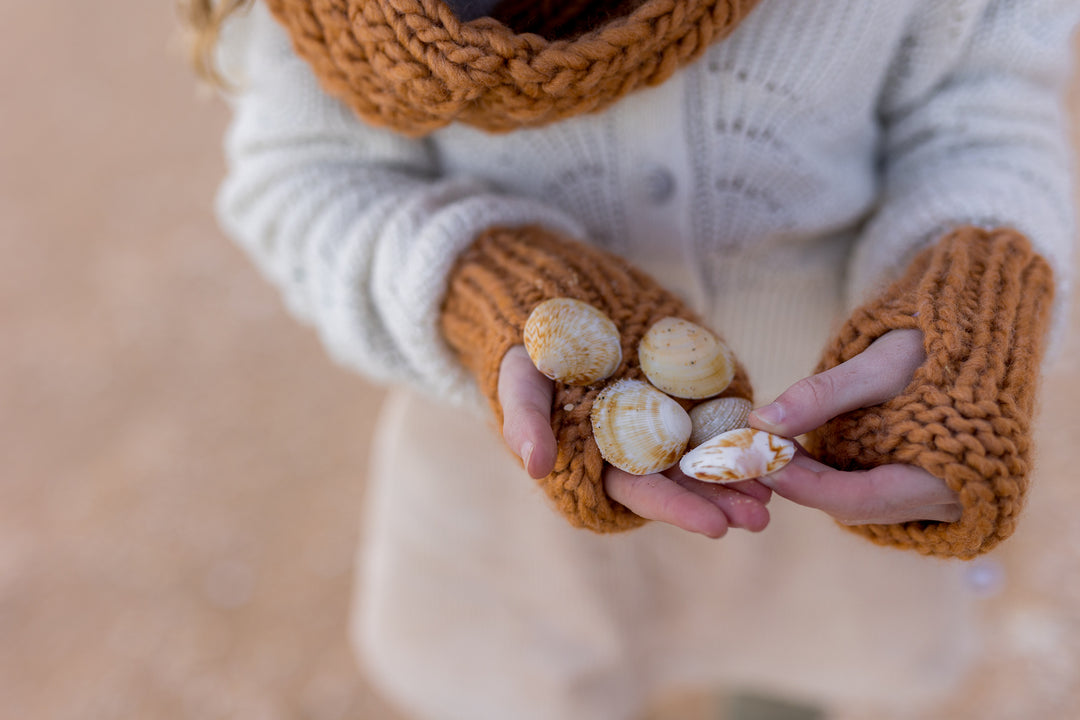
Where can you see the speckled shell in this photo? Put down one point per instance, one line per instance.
(638, 428)
(685, 360)
(713, 417)
(571, 341)
(738, 455)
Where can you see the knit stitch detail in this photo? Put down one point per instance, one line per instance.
(493, 288)
(413, 66)
(982, 301)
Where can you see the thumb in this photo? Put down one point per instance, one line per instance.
(525, 395)
(875, 375)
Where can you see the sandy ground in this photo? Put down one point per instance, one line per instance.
(176, 530)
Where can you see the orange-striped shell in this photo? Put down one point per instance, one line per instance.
(571, 341)
(638, 428)
(736, 455)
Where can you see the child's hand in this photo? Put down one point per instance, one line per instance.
(885, 494)
(671, 497)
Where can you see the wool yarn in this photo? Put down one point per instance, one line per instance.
(413, 66)
(982, 300)
(494, 286)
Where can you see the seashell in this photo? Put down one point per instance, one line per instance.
(571, 341)
(736, 455)
(685, 360)
(717, 416)
(638, 428)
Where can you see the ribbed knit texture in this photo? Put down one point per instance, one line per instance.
(358, 226)
(982, 301)
(497, 283)
(412, 65)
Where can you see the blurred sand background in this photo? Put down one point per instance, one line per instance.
(176, 528)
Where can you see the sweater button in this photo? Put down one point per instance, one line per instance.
(659, 184)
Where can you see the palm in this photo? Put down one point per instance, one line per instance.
(671, 497)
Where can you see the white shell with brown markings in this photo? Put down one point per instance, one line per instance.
(571, 341)
(716, 416)
(638, 428)
(685, 360)
(738, 455)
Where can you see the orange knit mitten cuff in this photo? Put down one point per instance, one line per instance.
(982, 301)
(496, 283)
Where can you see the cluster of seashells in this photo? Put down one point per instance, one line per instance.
(637, 425)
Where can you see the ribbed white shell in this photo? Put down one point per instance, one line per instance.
(638, 428)
(713, 417)
(685, 360)
(738, 455)
(571, 341)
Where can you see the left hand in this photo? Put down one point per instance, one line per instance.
(883, 495)
(671, 497)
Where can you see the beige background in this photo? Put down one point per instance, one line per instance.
(176, 526)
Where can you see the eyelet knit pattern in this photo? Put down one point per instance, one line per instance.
(982, 301)
(497, 282)
(413, 66)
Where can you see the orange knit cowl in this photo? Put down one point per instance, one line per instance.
(413, 66)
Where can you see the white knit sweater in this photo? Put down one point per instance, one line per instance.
(822, 143)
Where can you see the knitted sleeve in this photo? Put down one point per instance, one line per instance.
(355, 225)
(982, 301)
(497, 282)
(975, 133)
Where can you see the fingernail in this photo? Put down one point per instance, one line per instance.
(526, 453)
(772, 479)
(766, 480)
(771, 414)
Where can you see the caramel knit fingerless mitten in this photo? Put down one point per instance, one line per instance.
(496, 283)
(982, 300)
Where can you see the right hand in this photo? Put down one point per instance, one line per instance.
(671, 497)
(881, 495)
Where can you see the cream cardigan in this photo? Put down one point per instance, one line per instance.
(773, 183)
(783, 176)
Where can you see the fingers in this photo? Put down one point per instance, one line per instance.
(886, 494)
(710, 509)
(525, 395)
(705, 508)
(877, 374)
(743, 503)
(656, 497)
(883, 495)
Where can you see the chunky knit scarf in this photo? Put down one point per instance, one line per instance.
(413, 66)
